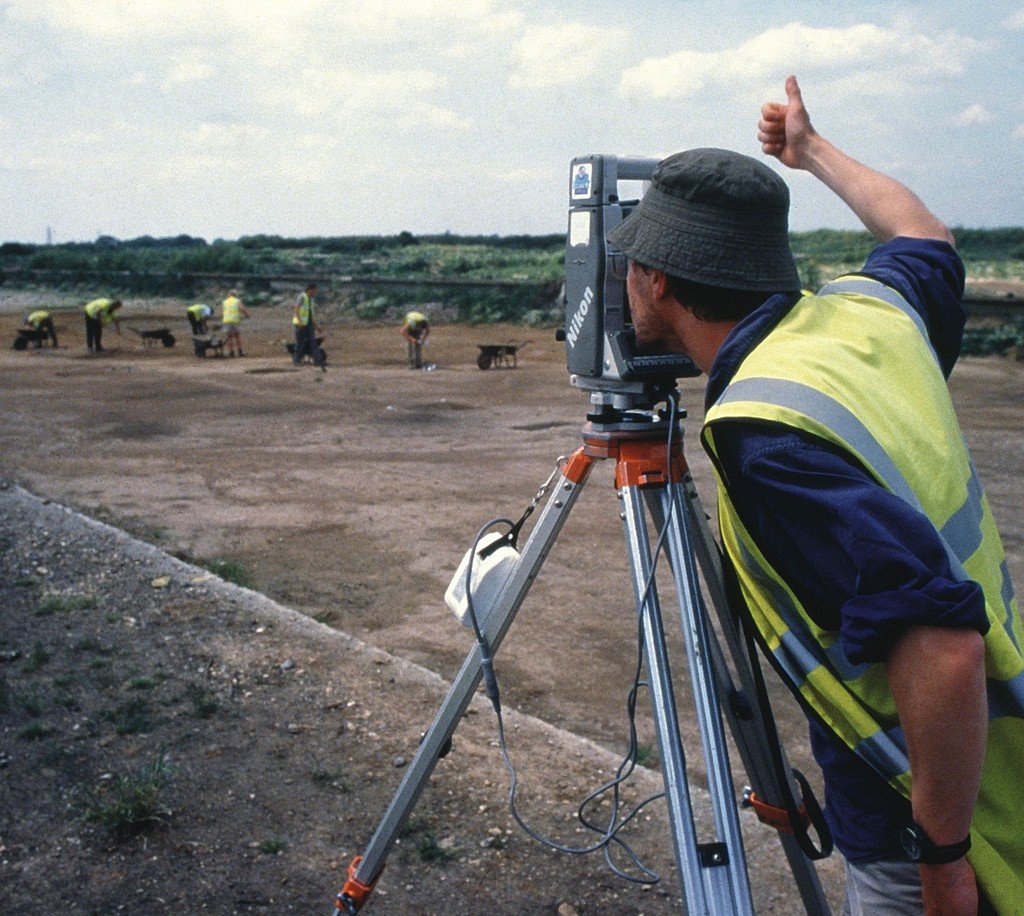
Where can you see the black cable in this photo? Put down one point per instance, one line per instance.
(609, 835)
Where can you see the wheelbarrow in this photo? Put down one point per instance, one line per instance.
(290, 347)
(151, 336)
(28, 336)
(498, 355)
(208, 343)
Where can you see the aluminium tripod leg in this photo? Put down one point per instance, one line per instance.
(745, 722)
(365, 870)
(713, 875)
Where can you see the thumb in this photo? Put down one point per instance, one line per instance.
(793, 95)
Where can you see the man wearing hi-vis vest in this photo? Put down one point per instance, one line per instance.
(860, 538)
(98, 313)
(232, 311)
(306, 330)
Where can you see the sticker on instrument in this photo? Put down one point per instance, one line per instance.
(581, 180)
(579, 227)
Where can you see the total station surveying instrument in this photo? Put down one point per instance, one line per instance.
(634, 421)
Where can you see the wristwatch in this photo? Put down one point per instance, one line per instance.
(919, 847)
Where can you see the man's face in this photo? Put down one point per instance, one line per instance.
(653, 333)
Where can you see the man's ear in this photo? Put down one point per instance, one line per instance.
(659, 283)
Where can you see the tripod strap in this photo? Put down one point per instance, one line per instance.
(791, 816)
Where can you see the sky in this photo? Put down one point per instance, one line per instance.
(223, 118)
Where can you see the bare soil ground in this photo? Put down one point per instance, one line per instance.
(350, 497)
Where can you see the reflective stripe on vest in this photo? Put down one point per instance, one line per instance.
(305, 308)
(849, 367)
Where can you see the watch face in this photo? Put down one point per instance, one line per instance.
(911, 843)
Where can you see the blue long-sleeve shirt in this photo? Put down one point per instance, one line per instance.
(860, 560)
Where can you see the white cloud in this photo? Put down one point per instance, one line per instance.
(560, 54)
(187, 71)
(877, 58)
(975, 114)
(1014, 20)
(403, 96)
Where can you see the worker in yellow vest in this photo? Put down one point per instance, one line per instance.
(41, 322)
(232, 312)
(198, 315)
(415, 330)
(306, 330)
(863, 547)
(98, 313)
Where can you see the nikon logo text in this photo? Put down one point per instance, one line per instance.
(573, 331)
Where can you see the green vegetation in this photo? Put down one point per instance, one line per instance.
(204, 702)
(38, 657)
(125, 805)
(272, 847)
(63, 604)
(228, 570)
(34, 731)
(998, 340)
(377, 277)
(131, 717)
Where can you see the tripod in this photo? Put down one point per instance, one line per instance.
(652, 480)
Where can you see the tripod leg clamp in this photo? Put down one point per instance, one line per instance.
(354, 893)
(773, 815)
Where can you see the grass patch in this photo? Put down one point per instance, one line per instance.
(329, 779)
(32, 703)
(34, 731)
(92, 644)
(431, 851)
(204, 702)
(63, 604)
(646, 755)
(125, 805)
(272, 847)
(38, 657)
(229, 570)
(131, 718)
(141, 683)
(24, 582)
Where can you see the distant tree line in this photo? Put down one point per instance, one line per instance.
(181, 265)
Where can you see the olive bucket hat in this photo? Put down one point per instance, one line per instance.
(715, 217)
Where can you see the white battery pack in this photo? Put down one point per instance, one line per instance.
(489, 576)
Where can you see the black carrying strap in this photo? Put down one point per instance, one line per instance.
(800, 815)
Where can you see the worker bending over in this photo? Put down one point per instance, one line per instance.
(415, 330)
(98, 313)
(41, 321)
(198, 315)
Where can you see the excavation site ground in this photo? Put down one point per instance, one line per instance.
(347, 498)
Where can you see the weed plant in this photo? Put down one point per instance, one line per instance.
(228, 570)
(63, 604)
(126, 805)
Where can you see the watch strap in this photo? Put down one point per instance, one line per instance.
(930, 853)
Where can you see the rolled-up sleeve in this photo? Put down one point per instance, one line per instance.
(859, 559)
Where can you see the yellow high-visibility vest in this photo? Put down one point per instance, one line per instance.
(100, 309)
(231, 310)
(37, 316)
(305, 311)
(849, 366)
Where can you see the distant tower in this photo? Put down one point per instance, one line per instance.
(49, 235)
